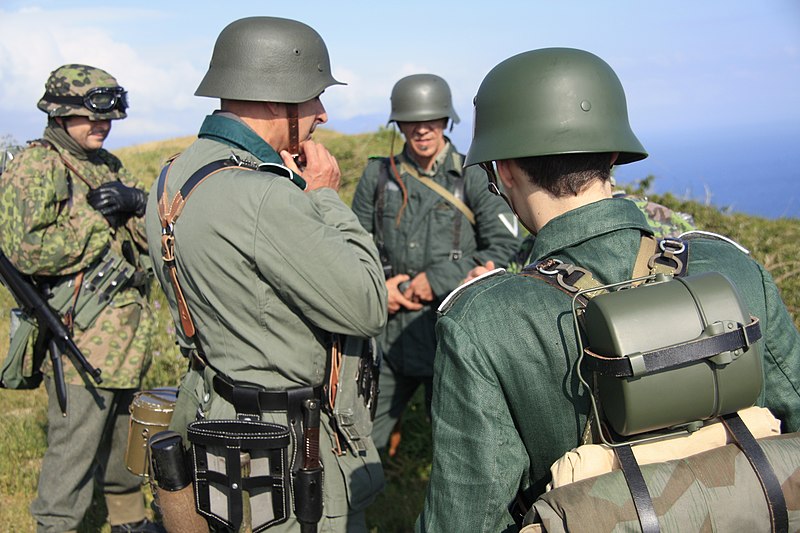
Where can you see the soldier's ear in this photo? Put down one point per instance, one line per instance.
(506, 174)
(60, 122)
(614, 156)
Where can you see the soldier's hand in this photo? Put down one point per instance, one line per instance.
(478, 270)
(420, 289)
(117, 202)
(397, 299)
(316, 164)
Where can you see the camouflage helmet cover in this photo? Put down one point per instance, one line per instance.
(552, 101)
(77, 80)
(268, 59)
(422, 97)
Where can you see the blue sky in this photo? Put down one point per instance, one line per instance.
(690, 68)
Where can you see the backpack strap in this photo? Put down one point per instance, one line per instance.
(776, 503)
(640, 494)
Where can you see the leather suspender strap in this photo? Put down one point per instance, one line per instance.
(778, 515)
(47, 144)
(168, 213)
(642, 500)
(379, 201)
(441, 191)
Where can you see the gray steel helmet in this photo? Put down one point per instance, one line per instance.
(83, 90)
(422, 97)
(268, 59)
(552, 101)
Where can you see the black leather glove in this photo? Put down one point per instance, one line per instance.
(117, 202)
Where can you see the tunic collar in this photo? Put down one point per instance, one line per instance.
(227, 128)
(587, 222)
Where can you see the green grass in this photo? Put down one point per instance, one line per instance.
(775, 243)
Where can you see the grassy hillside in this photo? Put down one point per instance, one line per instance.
(776, 243)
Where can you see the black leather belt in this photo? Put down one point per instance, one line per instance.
(248, 398)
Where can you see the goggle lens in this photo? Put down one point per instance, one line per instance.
(104, 99)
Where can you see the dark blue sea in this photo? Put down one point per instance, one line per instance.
(750, 171)
(753, 170)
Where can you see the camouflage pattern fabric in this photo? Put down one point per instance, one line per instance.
(664, 222)
(77, 80)
(715, 490)
(47, 228)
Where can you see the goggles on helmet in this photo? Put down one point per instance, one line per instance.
(98, 100)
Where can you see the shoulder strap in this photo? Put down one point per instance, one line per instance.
(441, 191)
(667, 256)
(379, 200)
(168, 213)
(47, 144)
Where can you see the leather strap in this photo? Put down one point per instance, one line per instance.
(778, 515)
(441, 191)
(294, 127)
(47, 144)
(672, 356)
(642, 501)
(168, 213)
(247, 398)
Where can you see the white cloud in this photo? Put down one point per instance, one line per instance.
(34, 41)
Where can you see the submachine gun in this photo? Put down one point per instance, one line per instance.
(53, 334)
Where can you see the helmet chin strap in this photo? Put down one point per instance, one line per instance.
(294, 129)
(495, 189)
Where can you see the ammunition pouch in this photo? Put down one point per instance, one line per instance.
(98, 287)
(352, 391)
(22, 366)
(240, 469)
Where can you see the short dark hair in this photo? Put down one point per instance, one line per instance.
(566, 174)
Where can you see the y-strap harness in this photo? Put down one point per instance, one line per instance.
(455, 198)
(249, 400)
(666, 256)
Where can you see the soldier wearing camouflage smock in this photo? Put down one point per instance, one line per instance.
(432, 220)
(71, 218)
(507, 401)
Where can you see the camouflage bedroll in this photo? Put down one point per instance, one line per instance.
(715, 490)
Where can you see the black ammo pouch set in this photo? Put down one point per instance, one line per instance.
(242, 472)
(661, 354)
(49, 308)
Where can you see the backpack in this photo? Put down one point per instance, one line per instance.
(664, 355)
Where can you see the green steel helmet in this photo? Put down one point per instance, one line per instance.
(268, 59)
(552, 101)
(422, 97)
(81, 90)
